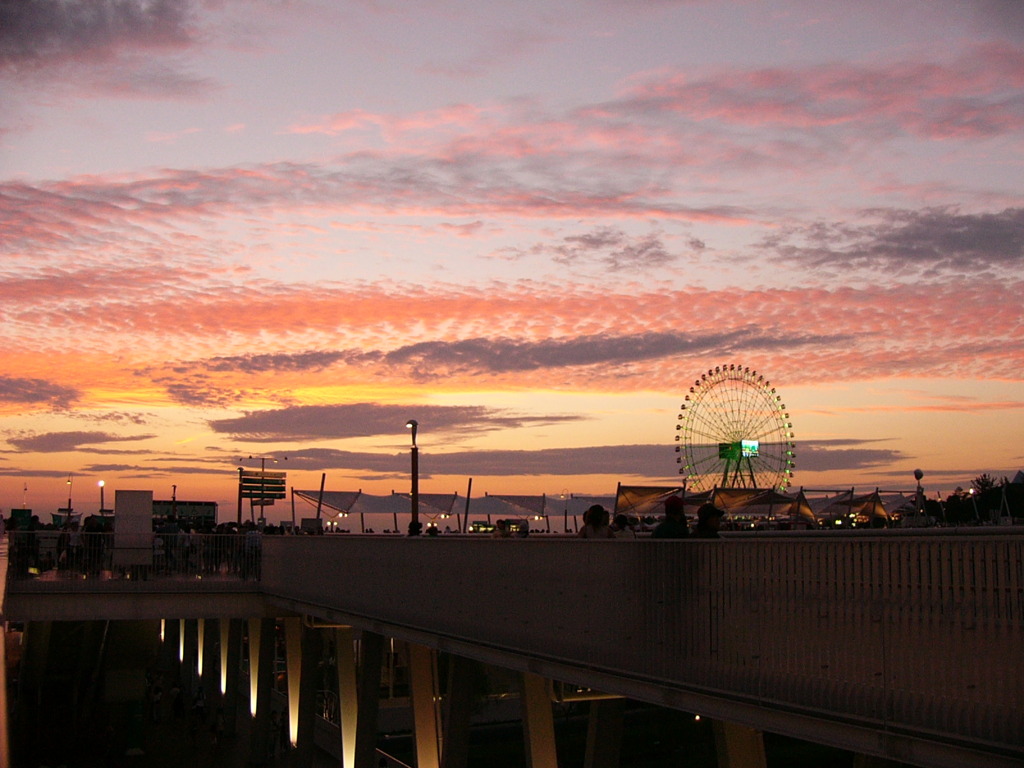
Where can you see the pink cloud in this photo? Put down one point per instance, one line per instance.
(625, 339)
(706, 127)
(88, 206)
(974, 96)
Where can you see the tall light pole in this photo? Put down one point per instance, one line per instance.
(918, 474)
(101, 484)
(414, 523)
(240, 471)
(67, 518)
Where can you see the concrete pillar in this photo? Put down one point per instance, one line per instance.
(181, 641)
(224, 625)
(259, 744)
(312, 651)
(190, 654)
(293, 658)
(230, 657)
(255, 630)
(738, 746)
(200, 647)
(458, 709)
(372, 652)
(211, 677)
(538, 722)
(423, 692)
(348, 702)
(604, 734)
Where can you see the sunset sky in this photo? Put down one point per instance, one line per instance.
(271, 228)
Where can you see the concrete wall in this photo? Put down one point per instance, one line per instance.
(889, 634)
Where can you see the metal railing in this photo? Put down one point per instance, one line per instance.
(52, 555)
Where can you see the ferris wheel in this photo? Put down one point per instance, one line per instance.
(733, 431)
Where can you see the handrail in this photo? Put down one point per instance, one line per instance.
(71, 556)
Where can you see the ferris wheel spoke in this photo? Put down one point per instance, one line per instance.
(765, 421)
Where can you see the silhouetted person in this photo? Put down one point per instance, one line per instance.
(621, 528)
(709, 520)
(674, 525)
(595, 524)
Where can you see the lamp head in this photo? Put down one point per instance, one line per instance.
(412, 424)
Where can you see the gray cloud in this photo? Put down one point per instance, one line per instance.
(197, 392)
(114, 417)
(638, 461)
(323, 422)
(147, 472)
(831, 455)
(941, 240)
(93, 469)
(629, 460)
(946, 476)
(40, 31)
(1004, 18)
(313, 360)
(433, 359)
(436, 358)
(615, 250)
(21, 473)
(60, 442)
(15, 390)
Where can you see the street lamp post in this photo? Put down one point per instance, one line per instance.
(240, 471)
(918, 474)
(101, 484)
(414, 496)
(67, 518)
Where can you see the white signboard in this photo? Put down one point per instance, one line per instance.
(133, 528)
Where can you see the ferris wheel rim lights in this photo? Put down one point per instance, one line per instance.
(723, 419)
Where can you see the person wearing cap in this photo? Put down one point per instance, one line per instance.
(709, 520)
(674, 525)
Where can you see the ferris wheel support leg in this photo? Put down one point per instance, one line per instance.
(750, 472)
